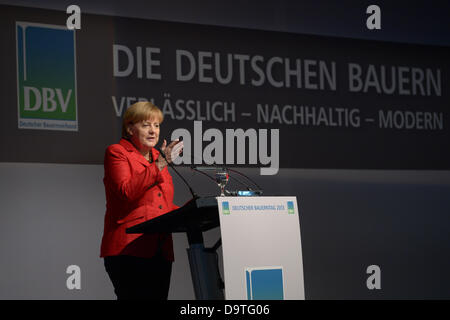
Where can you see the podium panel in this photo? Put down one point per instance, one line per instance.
(193, 218)
(261, 247)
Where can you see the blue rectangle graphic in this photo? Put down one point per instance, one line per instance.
(264, 283)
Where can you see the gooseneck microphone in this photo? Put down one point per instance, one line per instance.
(245, 176)
(251, 190)
(194, 195)
(200, 170)
(205, 174)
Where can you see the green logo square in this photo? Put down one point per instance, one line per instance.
(290, 205)
(46, 77)
(225, 207)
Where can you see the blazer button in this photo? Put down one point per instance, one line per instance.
(159, 194)
(160, 206)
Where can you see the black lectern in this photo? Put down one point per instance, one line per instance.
(195, 217)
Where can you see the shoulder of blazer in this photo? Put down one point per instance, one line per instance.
(115, 150)
(124, 147)
(127, 145)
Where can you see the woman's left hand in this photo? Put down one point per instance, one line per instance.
(171, 151)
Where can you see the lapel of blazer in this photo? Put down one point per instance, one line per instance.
(155, 154)
(134, 153)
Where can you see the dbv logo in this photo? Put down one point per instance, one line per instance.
(290, 205)
(265, 283)
(46, 77)
(225, 207)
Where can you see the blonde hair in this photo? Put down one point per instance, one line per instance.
(140, 111)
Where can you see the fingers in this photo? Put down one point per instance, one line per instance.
(176, 150)
(173, 150)
(174, 143)
(164, 145)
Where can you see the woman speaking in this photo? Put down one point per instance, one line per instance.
(138, 187)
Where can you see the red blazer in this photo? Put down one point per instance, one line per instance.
(136, 191)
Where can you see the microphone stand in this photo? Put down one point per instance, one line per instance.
(194, 195)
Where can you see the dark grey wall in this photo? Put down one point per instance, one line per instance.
(420, 21)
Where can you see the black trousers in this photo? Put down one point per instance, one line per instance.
(136, 278)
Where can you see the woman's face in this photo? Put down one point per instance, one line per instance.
(144, 134)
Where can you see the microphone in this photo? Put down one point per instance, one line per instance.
(200, 170)
(196, 170)
(194, 195)
(250, 191)
(248, 178)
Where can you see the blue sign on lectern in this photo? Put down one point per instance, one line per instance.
(264, 283)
